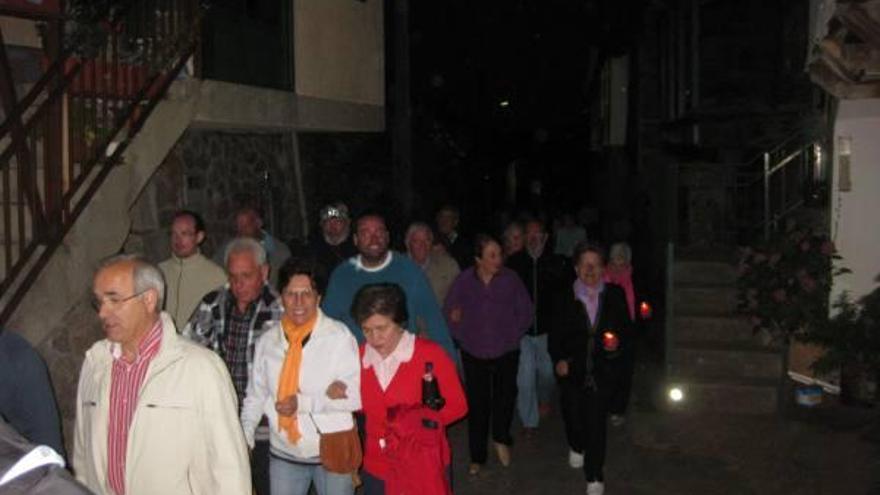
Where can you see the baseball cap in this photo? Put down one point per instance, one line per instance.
(334, 210)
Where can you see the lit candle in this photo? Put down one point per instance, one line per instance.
(610, 341)
(645, 310)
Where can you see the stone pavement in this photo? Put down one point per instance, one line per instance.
(804, 451)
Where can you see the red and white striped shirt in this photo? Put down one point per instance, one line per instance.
(126, 380)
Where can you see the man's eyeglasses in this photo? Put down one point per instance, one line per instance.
(113, 301)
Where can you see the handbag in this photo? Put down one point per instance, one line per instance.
(340, 451)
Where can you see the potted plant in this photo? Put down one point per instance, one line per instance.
(851, 343)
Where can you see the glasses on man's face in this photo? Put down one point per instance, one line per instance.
(113, 301)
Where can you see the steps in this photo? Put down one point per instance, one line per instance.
(720, 329)
(714, 357)
(725, 360)
(704, 301)
(727, 396)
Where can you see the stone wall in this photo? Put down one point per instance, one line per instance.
(214, 173)
(64, 352)
(151, 214)
(224, 170)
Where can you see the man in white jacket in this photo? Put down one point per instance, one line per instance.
(154, 412)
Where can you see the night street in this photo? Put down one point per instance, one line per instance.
(812, 451)
(266, 247)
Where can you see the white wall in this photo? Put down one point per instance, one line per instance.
(855, 215)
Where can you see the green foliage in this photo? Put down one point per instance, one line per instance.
(87, 28)
(784, 284)
(851, 337)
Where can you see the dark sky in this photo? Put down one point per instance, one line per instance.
(538, 56)
(468, 56)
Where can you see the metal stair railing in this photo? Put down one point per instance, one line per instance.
(777, 183)
(61, 140)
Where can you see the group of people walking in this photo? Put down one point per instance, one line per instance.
(341, 362)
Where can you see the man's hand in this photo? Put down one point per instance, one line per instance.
(287, 407)
(562, 368)
(336, 390)
(455, 315)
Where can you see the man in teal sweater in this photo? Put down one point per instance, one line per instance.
(377, 264)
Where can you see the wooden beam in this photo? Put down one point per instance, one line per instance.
(859, 22)
(829, 79)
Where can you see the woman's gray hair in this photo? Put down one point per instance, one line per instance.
(240, 244)
(621, 250)
(417, 226)
(145, 275)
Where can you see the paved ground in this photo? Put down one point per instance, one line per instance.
(819, 451)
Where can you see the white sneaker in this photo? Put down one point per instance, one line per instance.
(595, 488)
(617, 420)
(575, 459)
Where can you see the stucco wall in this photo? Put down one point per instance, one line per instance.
(21, 32)
(854, 212)
(339, 50)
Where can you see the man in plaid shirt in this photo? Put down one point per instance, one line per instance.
(230, 319)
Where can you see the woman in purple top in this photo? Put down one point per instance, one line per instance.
(489, 310)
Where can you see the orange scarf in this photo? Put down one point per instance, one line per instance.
(288, 382)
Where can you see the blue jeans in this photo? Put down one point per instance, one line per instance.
(534, 379)
(291, 478)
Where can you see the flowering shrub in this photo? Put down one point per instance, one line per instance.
(851, 337)
(784, 283)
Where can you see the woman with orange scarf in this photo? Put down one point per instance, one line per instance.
(306, 381)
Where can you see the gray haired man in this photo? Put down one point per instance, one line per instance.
(440, 268)
(154, 413)
(230, 319)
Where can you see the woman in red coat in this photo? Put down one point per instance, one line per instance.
(394, 363)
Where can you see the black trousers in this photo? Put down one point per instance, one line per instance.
(490, 385)
(619, 395)
(260, 467)
(584, 412)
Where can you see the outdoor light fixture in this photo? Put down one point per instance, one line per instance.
(504, 103)
(676, 394)
(844, 163)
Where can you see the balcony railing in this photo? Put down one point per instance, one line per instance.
(61, 139)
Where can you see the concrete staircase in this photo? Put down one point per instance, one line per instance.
(105, 222)
(713, 355)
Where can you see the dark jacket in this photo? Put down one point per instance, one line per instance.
(329, 256)
(462, 249)
(26, 398)
(571, 333)
(49, 479)
(545, 279)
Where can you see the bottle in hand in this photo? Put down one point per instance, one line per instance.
(431, 397)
